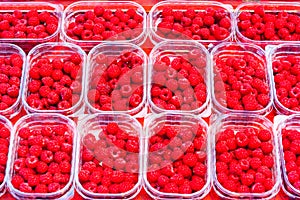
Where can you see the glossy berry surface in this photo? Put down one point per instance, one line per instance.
(11, 69)
(4, 146)
(178, 82)
(116, 83)
(31, 24)
(109, 160)
(241, 81)
(245, 162)
(262, 24)
(54, 82)
(286, 73)
(43, 158)
(208, 24)
(177, 161)
(291, 155)
(105, 24)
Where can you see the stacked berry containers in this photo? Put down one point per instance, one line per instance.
(207, 22)
(88, 23)
(178, 76)
(5, 133)
(240, 79)
(267, 23)
(27, 24)
(109, 157)
(177, 160)
(42, 157)
(13, 61)
(55, 79)
(284, 63)
(245, 156)
(116, 79)
(288, 134)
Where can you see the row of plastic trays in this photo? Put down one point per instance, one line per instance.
(159, 89)
(92, 144)
(148, 25)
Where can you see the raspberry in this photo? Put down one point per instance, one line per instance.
(112, 128)
(247, 179)
(190, 159)
(268, 161)
(24, 187)
(241, 153)
(41, 167)
(255, 163)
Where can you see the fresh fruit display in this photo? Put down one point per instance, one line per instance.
(54, 80)
(179, 82)
(105, 24)
(116, 83)
(290, 140)
(260, 24)
(286, 72)
(245, 160)
(177, 157)
(209, 24)
(43, 161)
(241, 81)
(5, 133)
(30, 24)
(11, 71)
(109, 160)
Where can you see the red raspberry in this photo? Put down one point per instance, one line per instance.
(197, 183)
(84, 175)
(41, 188)
(255, 163)
(112, 128)
(24, 187)
(41, 167)
(190, 159)
(247, 179)
(241, 153)
(53, 187)
(16, 181)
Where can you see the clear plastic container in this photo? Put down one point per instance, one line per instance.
(53, 50)
(93, 125)
(289, 7)
(82, 6)
(7, 124)
(289, 123)
(5, 51)
(99, 59)
(277, 52)
(154, 124)
(155, 19)
(182, 49)
(27, 43)
(238, 122)
(235, 50)
(39, 120)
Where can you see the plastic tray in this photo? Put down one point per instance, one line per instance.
(237, 122)
(154, 124)
(27, 44)
(234, 50)
(92, 124)
(7, 50)
(202, 63)
(154, 18)
(36, 121)
(289, 7)
(83, 6)
(96, 67)
(54, 50)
